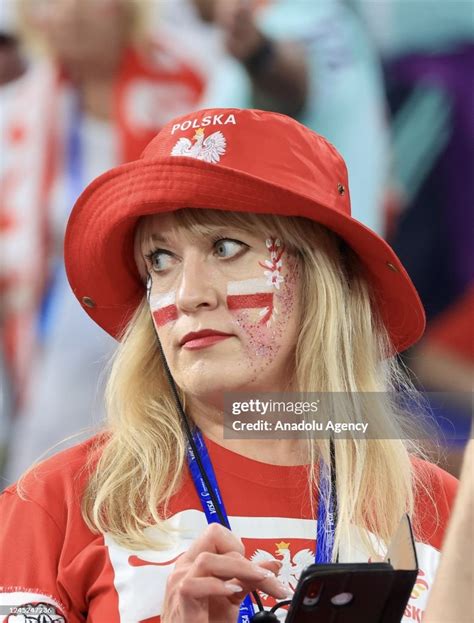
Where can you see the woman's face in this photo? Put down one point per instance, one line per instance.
(225, 304)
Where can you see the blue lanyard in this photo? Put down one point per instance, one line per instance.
(325, 525)
(246, 610)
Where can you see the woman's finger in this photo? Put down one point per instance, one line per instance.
(273, 586)
(271, 565)
(193, 587)
(224, 567)
(215, 539)
(245, 573)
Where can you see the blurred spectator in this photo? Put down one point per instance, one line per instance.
(12, 67)
(97, 88)
(11, 60)
(228, 84)
(314, 60)
(428, 48)
(400, 27)
(455, 573)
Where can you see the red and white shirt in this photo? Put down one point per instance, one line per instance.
(52, 564)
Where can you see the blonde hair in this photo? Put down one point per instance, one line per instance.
(342, 347)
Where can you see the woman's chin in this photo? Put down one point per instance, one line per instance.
(214, 380)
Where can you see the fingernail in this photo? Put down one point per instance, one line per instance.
(234, 588)
(286, 590)
(268, 574)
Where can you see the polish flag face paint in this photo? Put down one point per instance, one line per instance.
(163, 308)
(251, 294)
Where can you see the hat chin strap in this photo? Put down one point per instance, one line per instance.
(187, 427)
(188, 431)
(184, 418)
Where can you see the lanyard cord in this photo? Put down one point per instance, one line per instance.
(190, 437)
(222, 519)
(333, 484)
(332, 456)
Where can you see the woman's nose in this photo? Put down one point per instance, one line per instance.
(197, 288)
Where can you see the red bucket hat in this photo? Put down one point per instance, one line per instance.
(224, 159)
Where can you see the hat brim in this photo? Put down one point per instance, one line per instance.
(101, 267)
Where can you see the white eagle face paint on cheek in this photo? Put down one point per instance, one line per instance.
(266, 309)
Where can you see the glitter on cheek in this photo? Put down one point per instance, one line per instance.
(288, 297)
(259, 339)
(262, 342)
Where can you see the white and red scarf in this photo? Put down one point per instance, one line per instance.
(151, 87)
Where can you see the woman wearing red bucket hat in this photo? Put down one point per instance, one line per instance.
(226, 262)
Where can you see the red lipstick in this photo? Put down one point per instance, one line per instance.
(203, 339)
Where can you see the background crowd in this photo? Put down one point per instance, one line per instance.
(85, 84)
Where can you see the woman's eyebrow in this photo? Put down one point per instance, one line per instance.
(219, 230)
(158, 238)
(224, 231)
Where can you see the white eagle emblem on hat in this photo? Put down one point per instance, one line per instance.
(209, 149)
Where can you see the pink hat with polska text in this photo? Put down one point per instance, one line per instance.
(231, 160)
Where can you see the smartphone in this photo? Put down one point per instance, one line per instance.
(351, 593)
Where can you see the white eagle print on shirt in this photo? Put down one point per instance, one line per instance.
(140, 576)
(292, 566)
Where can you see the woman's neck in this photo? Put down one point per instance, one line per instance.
(212, 424)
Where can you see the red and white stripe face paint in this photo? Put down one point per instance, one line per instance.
(266, 310)
(163, 308)
(259, 293)
(251, 294)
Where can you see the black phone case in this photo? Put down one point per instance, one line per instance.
(380, 593)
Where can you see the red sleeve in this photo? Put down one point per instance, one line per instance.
(452, 330)
(30, 549)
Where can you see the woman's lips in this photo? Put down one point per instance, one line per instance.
(205, 341)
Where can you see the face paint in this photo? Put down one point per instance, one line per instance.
(251, 294)
(163, 308)
(274, 265)
(259, 293)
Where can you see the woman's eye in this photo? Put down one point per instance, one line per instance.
(228, 248)
(160, 260)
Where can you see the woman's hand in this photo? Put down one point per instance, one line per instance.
(211, 579)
